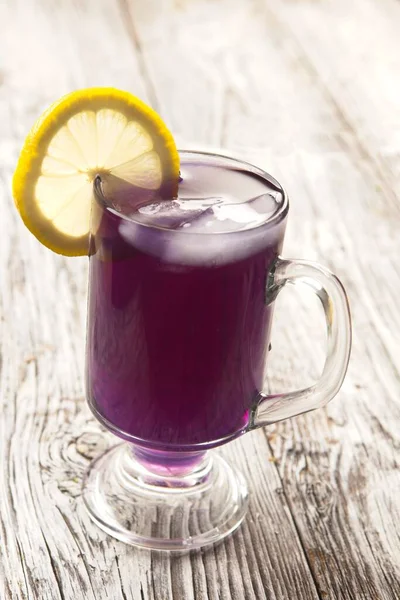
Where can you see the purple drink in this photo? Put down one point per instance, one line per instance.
(177, 322)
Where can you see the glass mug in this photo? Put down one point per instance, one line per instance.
(178, 330)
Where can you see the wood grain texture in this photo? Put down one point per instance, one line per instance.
(308, 89)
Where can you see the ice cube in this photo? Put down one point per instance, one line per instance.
(176, 224)
(174, 214)
(234, 216)
(245, 214)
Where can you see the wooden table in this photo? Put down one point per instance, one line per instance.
(309, 90)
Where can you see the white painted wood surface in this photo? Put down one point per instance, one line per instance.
(310, 90)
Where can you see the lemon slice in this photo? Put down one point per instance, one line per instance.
(88, 132)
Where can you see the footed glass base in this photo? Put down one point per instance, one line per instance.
(164, 501)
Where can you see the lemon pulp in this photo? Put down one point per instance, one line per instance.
(91, 131)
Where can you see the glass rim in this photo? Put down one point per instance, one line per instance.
(276, 217)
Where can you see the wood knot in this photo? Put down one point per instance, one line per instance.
(90, 444)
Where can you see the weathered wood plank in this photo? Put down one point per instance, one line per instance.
(47, 430)
(344, 212)
(354, 56)
(265, 79)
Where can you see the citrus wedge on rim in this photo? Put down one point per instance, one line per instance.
(89, 132)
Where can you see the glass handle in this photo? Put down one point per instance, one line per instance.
(328, 288)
